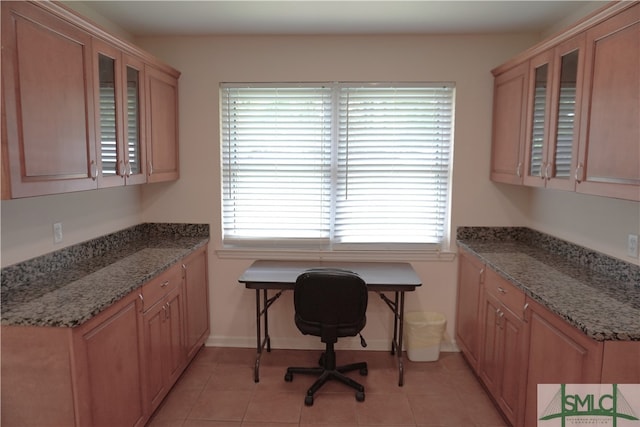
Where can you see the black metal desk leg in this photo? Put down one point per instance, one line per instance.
(262, 309)
(256, 369)
(400, 318)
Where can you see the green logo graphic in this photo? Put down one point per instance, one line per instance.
(586, 406)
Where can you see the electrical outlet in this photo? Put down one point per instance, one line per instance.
(632, 245)
(57, 232)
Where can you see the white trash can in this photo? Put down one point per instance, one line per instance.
(423, 335)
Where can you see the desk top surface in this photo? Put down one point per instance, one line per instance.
(284, 273)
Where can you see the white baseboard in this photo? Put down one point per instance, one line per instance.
(308, 343)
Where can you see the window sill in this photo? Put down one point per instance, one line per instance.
(351, 255)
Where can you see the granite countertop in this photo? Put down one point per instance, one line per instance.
(595, 293)
(68, 287)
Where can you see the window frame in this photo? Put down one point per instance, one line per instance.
(325, 248)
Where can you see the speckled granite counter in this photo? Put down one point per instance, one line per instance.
(597, 294)
(72, 285)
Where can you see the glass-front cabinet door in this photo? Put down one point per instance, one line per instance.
(538, 118)
(564, 115)
(118, 123)
(537, 122)
(133, 123)
(552, 125)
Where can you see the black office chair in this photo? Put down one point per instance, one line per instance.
(330, 303)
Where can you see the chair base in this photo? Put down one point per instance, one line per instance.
(329, 371)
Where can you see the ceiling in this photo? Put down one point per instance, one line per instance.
(183, 17)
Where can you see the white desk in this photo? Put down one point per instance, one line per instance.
(380, 277)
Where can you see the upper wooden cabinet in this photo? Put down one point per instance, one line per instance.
(609, 158)
(162, 120)
(555, 87)
(581, 103)
(48, 145)
(75, 106)
(509, 118)
(119, 96)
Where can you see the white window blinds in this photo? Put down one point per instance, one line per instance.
(335, 164)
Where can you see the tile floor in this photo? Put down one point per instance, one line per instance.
(217, 389)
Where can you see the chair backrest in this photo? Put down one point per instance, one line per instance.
(330, 303)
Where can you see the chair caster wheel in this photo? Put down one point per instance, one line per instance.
(308, 400)
(360, 396)
(288, 377)
(364, 371)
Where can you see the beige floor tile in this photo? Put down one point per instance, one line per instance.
(282, 407)
(217, 390)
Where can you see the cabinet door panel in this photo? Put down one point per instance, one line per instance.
(509, 123)
(162, 126)
(175, 346)
(470, 274)
(565, 113)
(196, 301)
(512, 362)
(114, 370)
(558, 354)
(609, 149)
(489, 365)
(135, 154)
(537, 119)
(111, 166)
(48, 102)
(155, 337)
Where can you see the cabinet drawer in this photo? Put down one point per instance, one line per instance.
(509, 295)
(154, 290)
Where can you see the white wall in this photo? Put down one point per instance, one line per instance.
(27, 224)
(207, 61)
(598, 223)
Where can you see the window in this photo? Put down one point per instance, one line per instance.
(336, 166)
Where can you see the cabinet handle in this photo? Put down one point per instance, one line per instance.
(128, 169)
(123, 169)
(547, 174)
(578, 174)
(519, 170)
(164, 309)
(502, 290)
(164, 284)
(482, 275)
(94, 170)
(142, 302)
(150, 168)
(543, 168)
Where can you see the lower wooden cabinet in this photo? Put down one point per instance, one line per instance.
(558, 353)
(76, 376)
(163, 334)
(115, 369)
(470, 279)
(196, 300)
(501, 366)
(520, 344)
